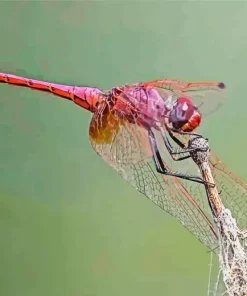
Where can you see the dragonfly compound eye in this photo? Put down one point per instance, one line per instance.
(184, 115)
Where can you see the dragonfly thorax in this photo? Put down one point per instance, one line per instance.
(149, 106)
(154, 110)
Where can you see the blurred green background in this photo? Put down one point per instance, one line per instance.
(69, 225)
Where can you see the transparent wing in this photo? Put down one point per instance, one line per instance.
(233, 190)
(207, 96)
(123, 143)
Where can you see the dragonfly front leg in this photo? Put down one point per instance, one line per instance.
(176, 140)
(172, 129)
(160, 165)
(171, 150)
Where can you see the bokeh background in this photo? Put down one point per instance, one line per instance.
(69, 225)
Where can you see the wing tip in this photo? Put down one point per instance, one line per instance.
(221, 85)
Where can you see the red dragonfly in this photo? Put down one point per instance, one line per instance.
(132, 128)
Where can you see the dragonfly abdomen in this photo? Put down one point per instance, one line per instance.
(86, 97)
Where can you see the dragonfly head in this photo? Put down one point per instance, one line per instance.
(184, 115)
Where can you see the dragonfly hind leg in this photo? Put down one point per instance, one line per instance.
(160, 166)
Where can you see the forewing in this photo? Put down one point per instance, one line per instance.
(129, 153)
(207, 96)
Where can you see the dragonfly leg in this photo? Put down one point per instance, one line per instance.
(160, 166)
(184, 133)
(170, 130)
(182, 145)
(176, 140)
(171, 150)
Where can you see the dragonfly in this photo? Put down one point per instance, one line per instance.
(134, 129)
